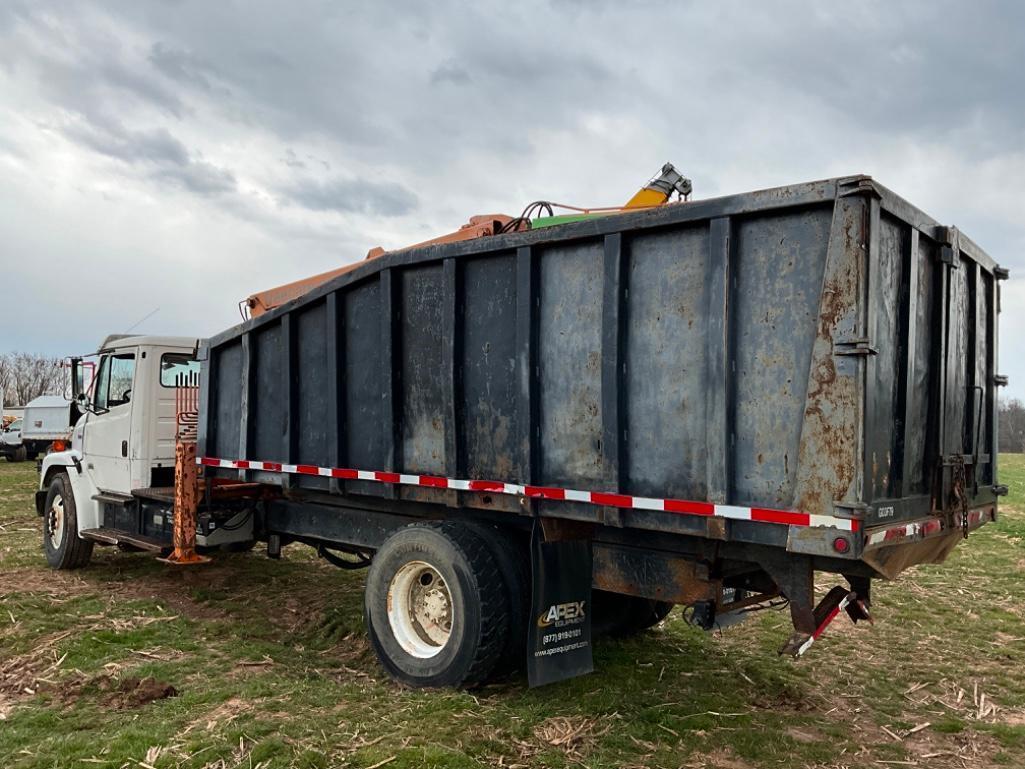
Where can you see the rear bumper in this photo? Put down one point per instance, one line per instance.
(895, 547)
(924, 528)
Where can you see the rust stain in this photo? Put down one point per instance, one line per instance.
(826, 460)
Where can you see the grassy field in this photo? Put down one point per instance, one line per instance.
(248, 662)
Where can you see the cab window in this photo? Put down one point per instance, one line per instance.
(175, 364)
(114, 380)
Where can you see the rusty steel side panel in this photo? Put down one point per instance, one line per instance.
(421, 369)
(570, 365)
(665, 359)
(884, 469)
(310, 432)
(364, 420)
(920, 438)
(778, 269)
(831, 436)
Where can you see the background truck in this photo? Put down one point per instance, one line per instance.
(10, 442)
(530, 434)
(47, 418)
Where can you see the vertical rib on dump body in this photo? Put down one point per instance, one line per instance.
(775, 368)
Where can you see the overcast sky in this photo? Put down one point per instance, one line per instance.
(182, 155)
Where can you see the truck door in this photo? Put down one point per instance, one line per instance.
(108, 432)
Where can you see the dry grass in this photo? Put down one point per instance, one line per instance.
(270, 667)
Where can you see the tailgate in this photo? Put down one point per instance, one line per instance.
(930, 432)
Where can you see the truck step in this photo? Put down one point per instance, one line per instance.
(156, 493)
(115, 537)
(113, 498)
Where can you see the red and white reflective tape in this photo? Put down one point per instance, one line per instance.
(824, 624)
(680, 506)
(921, 529)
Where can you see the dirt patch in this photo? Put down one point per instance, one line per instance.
(721, 759)
(169, 589)
(125, 693)
(220, 716)
(132, 692)
(806, 734)
(55, 583)
(786, 700)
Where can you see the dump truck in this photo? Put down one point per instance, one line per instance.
(11, 446)
(48, 420)
(538, 435)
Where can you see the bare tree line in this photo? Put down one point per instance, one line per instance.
(1011, 435)
(24, 376)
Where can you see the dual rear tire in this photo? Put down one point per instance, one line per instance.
(447, 604)
(437, 607)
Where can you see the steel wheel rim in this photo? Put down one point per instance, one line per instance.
(55, 522)
(420, 609)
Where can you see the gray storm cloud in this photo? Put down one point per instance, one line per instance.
(201, 151)
(352, 195)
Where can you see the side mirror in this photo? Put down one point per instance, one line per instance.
(77, 380)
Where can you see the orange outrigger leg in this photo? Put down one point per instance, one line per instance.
(186, 473)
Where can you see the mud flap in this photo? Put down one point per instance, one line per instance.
(559, 634)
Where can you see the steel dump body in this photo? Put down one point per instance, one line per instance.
(772, 369)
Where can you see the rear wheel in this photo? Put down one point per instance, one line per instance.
(511, 551)
(61, 543)
(436, 606)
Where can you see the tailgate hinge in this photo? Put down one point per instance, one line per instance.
(854, 347)
(950, 255)
(950, 246)
(858, 185)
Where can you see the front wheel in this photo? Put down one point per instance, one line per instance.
(61, 543)
(436, 606)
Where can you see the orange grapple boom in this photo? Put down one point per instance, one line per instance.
(265, 301)
(655, 193)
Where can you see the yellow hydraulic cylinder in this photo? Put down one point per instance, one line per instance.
(658, 190)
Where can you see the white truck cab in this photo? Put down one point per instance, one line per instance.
(10, 442)
(115, 483)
